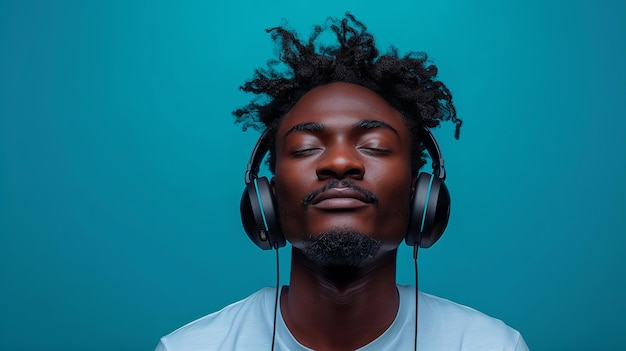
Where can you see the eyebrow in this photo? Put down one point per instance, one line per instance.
(373, 124)
(360, 125)
(307, 127)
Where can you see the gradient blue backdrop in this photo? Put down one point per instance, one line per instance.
(121, 168)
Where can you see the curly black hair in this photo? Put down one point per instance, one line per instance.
(407, 83)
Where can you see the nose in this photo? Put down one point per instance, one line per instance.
(340, 162)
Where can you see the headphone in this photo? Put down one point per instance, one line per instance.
(430, 205)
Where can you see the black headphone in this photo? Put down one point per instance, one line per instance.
(430, 208)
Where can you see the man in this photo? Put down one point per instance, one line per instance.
(345, 130)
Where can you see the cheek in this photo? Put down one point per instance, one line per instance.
(397, 208)
(288, 193)
(292, 181)
(395, 201)
(392, 183)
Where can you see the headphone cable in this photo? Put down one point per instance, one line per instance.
(276, 298)
(416, 295)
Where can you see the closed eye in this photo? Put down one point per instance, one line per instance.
(376, 151)
(303, 152)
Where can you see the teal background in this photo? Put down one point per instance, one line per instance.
(121, 168)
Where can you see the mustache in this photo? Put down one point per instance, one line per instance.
(371, 197)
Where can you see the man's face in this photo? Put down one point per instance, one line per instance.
(343, 165)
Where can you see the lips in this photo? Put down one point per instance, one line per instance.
(340, 198)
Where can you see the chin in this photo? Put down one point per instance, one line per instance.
(341, 247)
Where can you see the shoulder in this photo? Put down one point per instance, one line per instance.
(221, 329)
(463, 327)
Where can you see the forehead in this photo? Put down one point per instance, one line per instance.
(340, 105)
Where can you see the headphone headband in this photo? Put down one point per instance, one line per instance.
(429, 141)
(258, 153)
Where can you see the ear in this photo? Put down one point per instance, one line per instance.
(413, 182)
(273, 185)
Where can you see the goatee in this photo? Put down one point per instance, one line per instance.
(341, 248)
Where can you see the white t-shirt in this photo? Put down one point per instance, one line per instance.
(443, 325)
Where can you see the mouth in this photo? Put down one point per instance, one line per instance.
(341, 199)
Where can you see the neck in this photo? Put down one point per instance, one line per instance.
(340, 308)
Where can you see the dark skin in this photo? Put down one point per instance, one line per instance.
(342, 131)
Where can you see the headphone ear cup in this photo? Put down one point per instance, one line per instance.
(430, 211)
(258, 215)
(437, 213)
